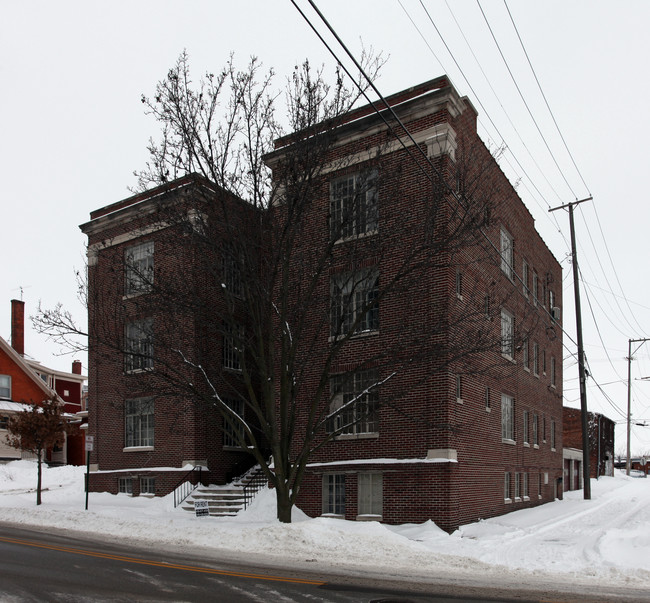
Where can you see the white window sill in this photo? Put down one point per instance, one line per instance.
(359, 335)
(526, 445)
(355, 237)
(138, 449)
(332, 516)
(536, 446)
(507, 501)
(526, 498)
(509, 442)
(509, 358)
(138, 371)
(553, 450)
(488, 409)
(357, 436)
(369, 517)
(459, 400)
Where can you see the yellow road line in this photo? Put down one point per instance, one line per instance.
(187, 568)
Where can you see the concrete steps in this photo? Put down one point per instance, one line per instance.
(228, 500)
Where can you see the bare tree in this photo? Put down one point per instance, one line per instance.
(283, 298)
(36, 430)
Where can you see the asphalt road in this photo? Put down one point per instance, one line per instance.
(56, 566)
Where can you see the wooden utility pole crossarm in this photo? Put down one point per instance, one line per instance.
(581, 352)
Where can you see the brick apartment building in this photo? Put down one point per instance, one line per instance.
(439, 298)
(601, 446)
(24, 381)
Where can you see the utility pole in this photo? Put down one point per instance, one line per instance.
(629, 395)
(581, 352)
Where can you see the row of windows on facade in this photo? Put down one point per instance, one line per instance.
(516, 486)
(370, 488)
(531, 355)
(539, 294)
(530, 432)
(147, 485)
(139, 426)
(353, 212)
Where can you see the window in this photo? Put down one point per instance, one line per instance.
(536, 359)
(231, 346)
(147, 485)
(535, 287)
(334, 494)
(553, 435)
(544, 429)
(507, 418)
(353, 205)
(535, 431)
(3, 422)
(525, 278)
(526, 354)
(370, 487)
(139, 422)
(459, 388)
(139, 345)
(524, 486)
(507, 334)
(125, 485)
(551, 300)
(552, 371)
(355, 303)
(517, 486)
(539, 485)
(507, 254)
(487, 398)
(524, 435)
(232, 272)
(139, 268)
(459, 284)
(5, 386)
(506, 486)
(231, 430)
(544, 362)
(355, 399)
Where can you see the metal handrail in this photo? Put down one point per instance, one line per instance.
(256, 483)
(185, 486)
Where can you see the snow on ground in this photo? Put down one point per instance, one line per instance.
(605, 540)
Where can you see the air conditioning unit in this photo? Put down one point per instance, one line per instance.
(555, 313)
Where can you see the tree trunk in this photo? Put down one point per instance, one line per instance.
(38, 481)
(282, 495)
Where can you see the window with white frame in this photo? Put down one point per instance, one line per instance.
(353, 205)
(507, 254)
(370, 494)
(525, 276)
(125, 485)
(355, 401)
(232, 427)
(525, 354)
(506, 486)
(334, 494)
(507, 418)
(459, 284)
(507, 334)
(459, 388)
(487, 398)
(535, 287)
(553, 371)
(539, 485)
(553, 435)
(517, 486)
(5, 387)
(535, 430)
(147, 485)
(536, 359)
(139, 422)
(544, 362)
(524, 486)
(139, 268)
(231, 346)
(354, 298)
(524, 435)
(139, 345)
(4, 421)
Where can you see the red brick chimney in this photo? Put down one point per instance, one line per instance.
(18, 326)
(76, 367)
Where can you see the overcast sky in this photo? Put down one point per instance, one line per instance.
(73, 130)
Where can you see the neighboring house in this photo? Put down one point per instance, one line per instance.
(601, 446)
(25, 381)
(451, 441)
